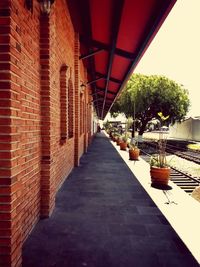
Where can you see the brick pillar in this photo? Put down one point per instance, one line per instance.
(77, 98)
(89, 118)
(47, 202)
(70, 106)
(85, 121)
(10, 158)
(86, 113)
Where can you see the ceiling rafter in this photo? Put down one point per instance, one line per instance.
(99, 90)
(107, 105)
(112, 79)
(92, 53)
(95, 80)
(102, 76)
(102, 98)
(115, 26)
(100, 45)
(99, 99)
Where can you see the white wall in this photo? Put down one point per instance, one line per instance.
(188, 130)
(196, 130)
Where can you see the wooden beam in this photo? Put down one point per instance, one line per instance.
(112, 79)
(99, 89)
(92, 53)
(100, 45)
(95, 80)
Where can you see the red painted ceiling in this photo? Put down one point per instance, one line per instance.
(114, 35)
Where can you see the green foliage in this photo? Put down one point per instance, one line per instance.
(129, 123)
(152, 95)
(158, 160)
(107, 125)
(118, 135)
(125, 137)
(133, 146)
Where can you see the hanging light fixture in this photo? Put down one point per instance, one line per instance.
(82, 87)
(45, 6)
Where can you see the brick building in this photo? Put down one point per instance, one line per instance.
(45, 116)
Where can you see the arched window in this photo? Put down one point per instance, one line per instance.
(81, 114)
(70, 109)
(63, 103)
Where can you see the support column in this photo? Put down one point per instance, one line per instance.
(85, 121)
(47, 202)
(89, 108)
(77, 98)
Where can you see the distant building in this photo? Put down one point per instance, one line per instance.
(188, 129)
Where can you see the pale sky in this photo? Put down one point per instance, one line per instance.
(175, 50)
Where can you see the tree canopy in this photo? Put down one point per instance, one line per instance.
(147, 96)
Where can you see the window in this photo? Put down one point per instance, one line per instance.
(70, 109)
(81, 114)
(63, 103)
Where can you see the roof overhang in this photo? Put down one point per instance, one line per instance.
(114, 35)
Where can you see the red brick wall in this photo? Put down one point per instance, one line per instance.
(33, 161)
(61, 53)
(30, 140)
(20, 129)
(58, 157)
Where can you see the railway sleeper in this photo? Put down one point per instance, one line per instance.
(179, 177)
(185, 182)
(187, 187)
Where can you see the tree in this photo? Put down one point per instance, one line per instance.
(146, 96)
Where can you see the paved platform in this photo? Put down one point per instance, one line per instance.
(180, 209)
(105, 218)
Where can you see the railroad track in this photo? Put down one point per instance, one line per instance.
(185, 181)
(185, 154)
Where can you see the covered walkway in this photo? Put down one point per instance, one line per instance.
(104, 218)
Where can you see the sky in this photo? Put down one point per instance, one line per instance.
(175, 50)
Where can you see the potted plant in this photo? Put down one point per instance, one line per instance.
(114, 135)
(112, 132)
(118, 139)
(159, 169)
(123, 143)
(160, 172)
(134, 152)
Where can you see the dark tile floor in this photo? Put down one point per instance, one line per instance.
(104, 218)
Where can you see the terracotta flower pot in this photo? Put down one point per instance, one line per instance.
(113, 138)
(118, 141)
(134, 154)
(123, 145)
(160, 176)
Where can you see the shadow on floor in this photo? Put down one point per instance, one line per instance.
(104, 218)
